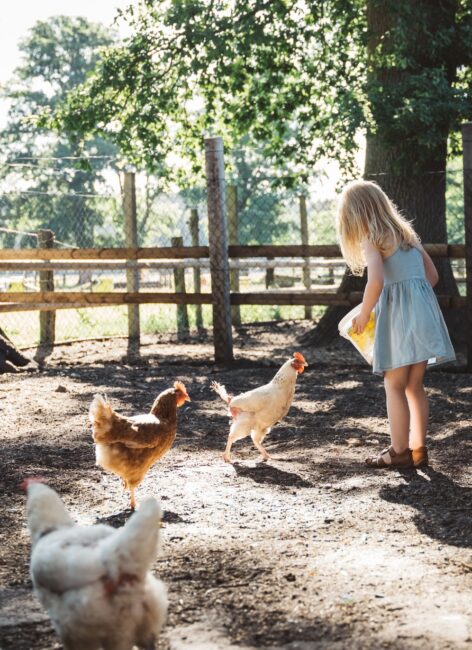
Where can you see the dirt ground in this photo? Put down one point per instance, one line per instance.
(310, 550)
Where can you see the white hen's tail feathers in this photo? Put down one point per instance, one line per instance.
(101, 414)
(221, 391)
(135, 545)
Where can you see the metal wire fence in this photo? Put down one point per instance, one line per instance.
(261, 209)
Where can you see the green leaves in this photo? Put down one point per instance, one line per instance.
(57, 56)
(416, 92)
(301, 78)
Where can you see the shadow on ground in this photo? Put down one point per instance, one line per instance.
(444, 507)
(267, 473)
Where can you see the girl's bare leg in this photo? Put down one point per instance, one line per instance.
(395, 382)
(418, 405)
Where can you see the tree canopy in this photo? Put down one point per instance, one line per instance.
(44, 184)
(299, 78)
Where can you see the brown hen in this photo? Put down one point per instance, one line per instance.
(129, 446)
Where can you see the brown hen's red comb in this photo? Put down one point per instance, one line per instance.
(178, 385)
(299, 357)
(30, 480)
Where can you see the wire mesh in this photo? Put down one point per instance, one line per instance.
(260, 209)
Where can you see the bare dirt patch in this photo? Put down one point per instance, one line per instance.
(310, 550)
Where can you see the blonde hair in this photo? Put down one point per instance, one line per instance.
(366, 213)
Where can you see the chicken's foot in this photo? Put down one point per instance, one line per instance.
(257, 438)
(264, 453)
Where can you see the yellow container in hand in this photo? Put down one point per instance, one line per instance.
(364, 342)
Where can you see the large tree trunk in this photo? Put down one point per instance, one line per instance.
(421, 197)
(412, 175)
(10, 356)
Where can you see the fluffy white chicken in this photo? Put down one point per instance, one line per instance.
(94, 581)
(256, 411)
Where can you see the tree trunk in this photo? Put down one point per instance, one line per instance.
(412, 174)
(10, 356)
(421, 197)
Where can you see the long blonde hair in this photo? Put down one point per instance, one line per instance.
(366, 213)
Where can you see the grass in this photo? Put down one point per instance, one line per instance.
(98, 322)
(23, 327)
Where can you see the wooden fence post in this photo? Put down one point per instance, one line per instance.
(218, 244)
(197, 282)
(269, 275)
(304, 233)
(132, 274)
(179, 284)
(233, 240)
(47, 319)
(467, 167)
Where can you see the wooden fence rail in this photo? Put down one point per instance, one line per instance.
(453, 251)
(50, 300)
(224, 257)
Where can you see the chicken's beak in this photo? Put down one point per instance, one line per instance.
(187, 399)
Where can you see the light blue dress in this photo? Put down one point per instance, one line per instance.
(409, 324)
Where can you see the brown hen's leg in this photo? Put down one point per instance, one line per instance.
(132, 499)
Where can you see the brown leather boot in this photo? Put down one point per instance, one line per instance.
(420, 457)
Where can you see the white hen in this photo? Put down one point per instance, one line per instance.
(94, 581)
(256, 411)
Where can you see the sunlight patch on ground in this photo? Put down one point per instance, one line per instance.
(201, 636)
(348, 385)
(451, 432)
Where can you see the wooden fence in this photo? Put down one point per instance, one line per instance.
(225, 296)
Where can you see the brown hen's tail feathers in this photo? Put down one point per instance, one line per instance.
(101, 414)
(221, 391)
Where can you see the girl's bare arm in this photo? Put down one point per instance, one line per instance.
(430, 270)
(374, 286)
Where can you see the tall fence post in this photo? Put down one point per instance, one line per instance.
(304, 234)
(179, 285)
(197, 281)
(233, 240)
(269, 274)
(218, 244)
(132, 273)
(467, 166)
(47, 319)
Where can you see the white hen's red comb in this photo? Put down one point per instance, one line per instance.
(299, 357)
(30, 480)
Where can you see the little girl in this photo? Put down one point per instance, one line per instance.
(410, 332)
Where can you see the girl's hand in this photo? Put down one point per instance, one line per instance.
(359, 323)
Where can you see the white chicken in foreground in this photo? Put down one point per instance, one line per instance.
(256, 411)
(94, 581)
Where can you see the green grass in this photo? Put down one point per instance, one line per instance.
(23, 327)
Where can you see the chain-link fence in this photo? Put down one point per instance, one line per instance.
(262, 208)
